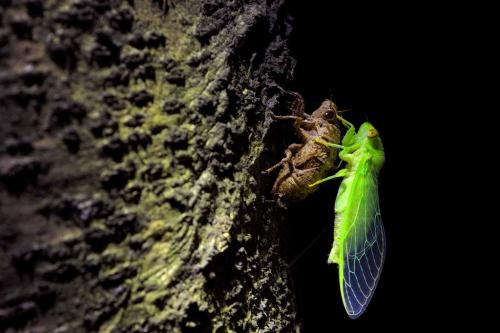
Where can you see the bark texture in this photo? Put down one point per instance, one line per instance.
(132, 136)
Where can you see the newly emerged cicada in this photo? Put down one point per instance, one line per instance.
(359, 237)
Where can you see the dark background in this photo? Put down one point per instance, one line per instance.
(379, 63)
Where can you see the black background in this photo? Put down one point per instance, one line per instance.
(386, 66)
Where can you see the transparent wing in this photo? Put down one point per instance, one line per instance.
(363, 249)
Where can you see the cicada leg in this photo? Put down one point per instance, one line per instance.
(344, 154)
(341, 173)
(328, 144)
(344, 122)
(276, 117)
(351, 131)
(289, 152)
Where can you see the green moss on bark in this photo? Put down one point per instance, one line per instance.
(156, 220)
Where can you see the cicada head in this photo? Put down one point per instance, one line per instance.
(326, 111)
(369, 134)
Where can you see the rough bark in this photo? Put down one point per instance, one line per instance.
(132, 137)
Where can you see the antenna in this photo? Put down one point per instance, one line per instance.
(345, 110)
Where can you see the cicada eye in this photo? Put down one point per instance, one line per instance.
(372, 133)
(329, 115)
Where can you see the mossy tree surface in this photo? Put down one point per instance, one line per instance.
(132, 137)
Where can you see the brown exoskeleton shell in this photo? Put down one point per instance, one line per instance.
(308, 161)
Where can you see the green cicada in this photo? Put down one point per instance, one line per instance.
(359, 238)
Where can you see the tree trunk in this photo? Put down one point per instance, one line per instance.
(132, 137)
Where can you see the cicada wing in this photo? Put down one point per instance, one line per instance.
(363, 249)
